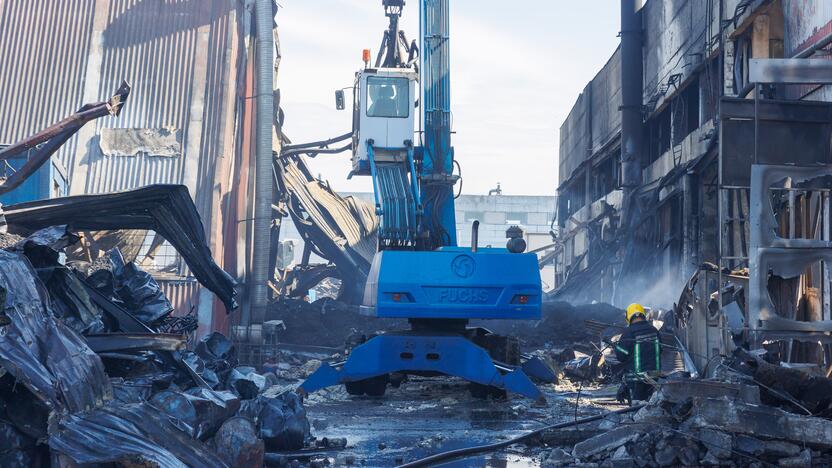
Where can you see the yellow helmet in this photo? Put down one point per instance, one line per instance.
(633, 310)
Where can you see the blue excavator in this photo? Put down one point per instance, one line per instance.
(419, 273)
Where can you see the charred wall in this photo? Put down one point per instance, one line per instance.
(689, 62)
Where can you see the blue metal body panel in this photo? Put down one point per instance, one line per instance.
(36, 187)
(412, 352)
(454, 283)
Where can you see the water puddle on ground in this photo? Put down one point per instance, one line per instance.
(493, 461)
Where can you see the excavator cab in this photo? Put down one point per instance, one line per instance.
(384, 111)
(384, 100)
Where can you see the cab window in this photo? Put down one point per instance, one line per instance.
(388, 97)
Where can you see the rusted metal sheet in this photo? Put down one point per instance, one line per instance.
(807, 21)
(183, 294)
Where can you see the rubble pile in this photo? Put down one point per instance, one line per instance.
(752, 410)
(327, 288)
(793, 389)
(294, 365)
(87, 375)
(714, 422)
(325, 322)
(8, 240)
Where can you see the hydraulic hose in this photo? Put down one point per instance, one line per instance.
(318, 144)
(464, 452)
(312, 152)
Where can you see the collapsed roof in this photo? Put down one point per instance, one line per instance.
(166, 209)
(339, 229)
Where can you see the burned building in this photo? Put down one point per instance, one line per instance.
(728, 96)
(696, 174)
(190, 123)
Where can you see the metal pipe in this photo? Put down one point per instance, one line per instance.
(721, 57)
(631, 104)
(745, 90)
(312, 152)
(264, 20)
(40, 147)
(820, 44)
(317, 144)
(475, 235)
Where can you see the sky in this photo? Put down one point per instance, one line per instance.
(517, 67)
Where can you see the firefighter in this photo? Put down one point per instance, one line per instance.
(639, 349)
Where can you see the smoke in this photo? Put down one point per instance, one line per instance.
(651, 291)
(649, 287)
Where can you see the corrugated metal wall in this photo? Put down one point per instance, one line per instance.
(182, 294)
(576, 143)
(43, 49)
(59, 54)
(152, 44)
(573, 139)
(46, 45)
(806, 22)
(606, 99)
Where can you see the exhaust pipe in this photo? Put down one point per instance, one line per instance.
(475, 235)
(632, 140)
